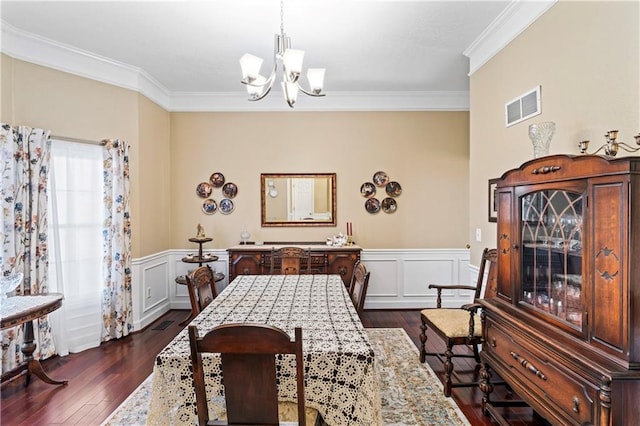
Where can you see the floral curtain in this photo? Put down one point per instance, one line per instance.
(116, 294)
(23, 197)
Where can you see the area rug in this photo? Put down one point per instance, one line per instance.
(411, 393)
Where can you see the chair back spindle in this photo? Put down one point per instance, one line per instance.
(290, 261)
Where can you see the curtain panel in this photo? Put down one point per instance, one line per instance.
(25, 170)
(117, 308)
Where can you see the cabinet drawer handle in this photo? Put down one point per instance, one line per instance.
(546, 169)
(493, 342)
(526, 364)
(576, 405)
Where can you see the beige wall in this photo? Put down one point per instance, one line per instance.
(6, 88)
(426, 152)
(171, 153)
(154, 178)
(77, 107)
(586, 57)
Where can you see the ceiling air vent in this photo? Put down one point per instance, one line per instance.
(522, 107)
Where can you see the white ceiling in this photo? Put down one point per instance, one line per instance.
(375, 52)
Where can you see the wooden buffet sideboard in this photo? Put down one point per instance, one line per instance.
(253, 259)
(564, 329)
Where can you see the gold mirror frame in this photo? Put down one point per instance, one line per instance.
(278, 197)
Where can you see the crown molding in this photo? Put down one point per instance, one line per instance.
(38, 50)
(513, 20)
(31, 48)
(42, 51)
(334, 101)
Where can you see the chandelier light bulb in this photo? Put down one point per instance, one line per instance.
(250, 65)
(292, 61)
(316, 79)
(290, 90)
(255, 89)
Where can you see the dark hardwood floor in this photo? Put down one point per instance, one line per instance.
(101, 378)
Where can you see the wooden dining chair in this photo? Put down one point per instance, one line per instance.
(290, 261)
(458, 326)
(248, 355)
(358, 286)
(202, 288)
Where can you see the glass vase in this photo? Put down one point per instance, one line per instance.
(540, 135)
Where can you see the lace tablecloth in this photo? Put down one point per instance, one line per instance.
(340, 380)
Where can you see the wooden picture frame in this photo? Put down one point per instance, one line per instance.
(492, 200)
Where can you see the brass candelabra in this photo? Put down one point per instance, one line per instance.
(611, 145)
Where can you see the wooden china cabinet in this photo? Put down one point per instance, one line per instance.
(564, 329)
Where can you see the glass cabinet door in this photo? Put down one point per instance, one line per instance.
(551, 232)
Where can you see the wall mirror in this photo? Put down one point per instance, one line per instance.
(304, 199)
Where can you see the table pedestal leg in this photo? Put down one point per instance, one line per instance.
(33, 365)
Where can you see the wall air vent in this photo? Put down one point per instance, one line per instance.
(522, 107)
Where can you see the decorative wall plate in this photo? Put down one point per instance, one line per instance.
(380, 178)
(368, 190)
(393, 188)
(209, 206)
(230, 190)
(217, 179)
(389, 205)
(204, 189)
(372, 205)
(226, 206)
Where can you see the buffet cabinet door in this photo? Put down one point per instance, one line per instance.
(608, 262)
(550, 272)
(341, 263)
(245, 263)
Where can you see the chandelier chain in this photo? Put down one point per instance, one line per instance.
(282, 17)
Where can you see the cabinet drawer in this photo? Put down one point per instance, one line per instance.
(551, 384)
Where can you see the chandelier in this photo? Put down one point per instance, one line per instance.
(611, 145)
(259, 86)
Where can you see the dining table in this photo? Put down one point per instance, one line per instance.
(340, 378)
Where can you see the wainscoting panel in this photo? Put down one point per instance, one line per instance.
(438, 270)
(149, 287)
(399, 279)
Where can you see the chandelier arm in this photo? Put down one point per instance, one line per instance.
(266, 92)
(310, 93)
(269, 83)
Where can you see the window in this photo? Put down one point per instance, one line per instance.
(75, 243)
